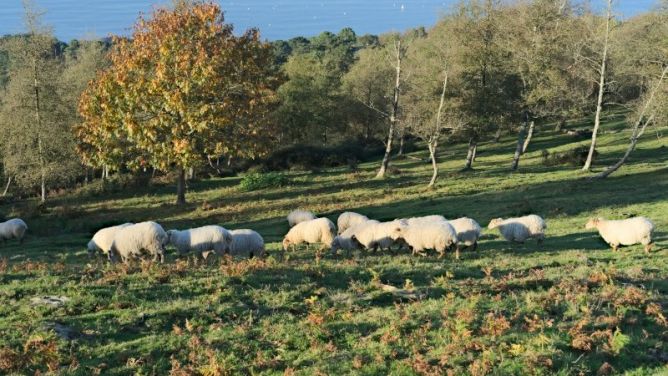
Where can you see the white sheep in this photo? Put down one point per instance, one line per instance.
(246, 243)
(468, 231)
(320, 230)
(101, 241)
(520, 229)
(345, 240)
(624, 232)
(297, 216)
(132, 240)
(349, 219)
(376, 235)
(203, 240)
(13, 229)
(425, 219)
(423, 235)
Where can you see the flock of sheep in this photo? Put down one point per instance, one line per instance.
(355, 232)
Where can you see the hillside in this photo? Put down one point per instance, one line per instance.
(569, 306)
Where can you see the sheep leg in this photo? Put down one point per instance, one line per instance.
(648, 247)
(614, 247)
(457, 253)
(474, 247)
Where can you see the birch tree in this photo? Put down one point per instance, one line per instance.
(602, 70)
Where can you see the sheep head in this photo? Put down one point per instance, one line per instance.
(286, 243)
(592, 223)
(494, 223)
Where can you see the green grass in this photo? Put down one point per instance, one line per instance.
(567, 307)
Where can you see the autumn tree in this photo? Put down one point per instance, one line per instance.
(182, 88)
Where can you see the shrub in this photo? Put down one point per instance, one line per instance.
(573, 157)
(309, 157)
(255, 181)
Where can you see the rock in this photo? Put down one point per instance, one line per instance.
(54, 301)
(63, 331)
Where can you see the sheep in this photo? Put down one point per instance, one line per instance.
(247, 243)
(624, 232)
(437, 235)
(297, 216)
(345, 240)
(320, 230)
(425, 219)
(468, 231)
(204, 240)
(13, 229)
(520, 229)
(132, 240)
(101, 241)
(376, 235)
(349, 219)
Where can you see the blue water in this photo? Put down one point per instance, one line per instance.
(277, 19)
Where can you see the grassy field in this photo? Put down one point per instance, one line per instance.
(569, 306)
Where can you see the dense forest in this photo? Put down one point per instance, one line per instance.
(188, 96)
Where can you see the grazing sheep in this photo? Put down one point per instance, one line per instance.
(468, 231)
(376, 235)
(204, 240)
(624, 232)
(349, 219)
(246, 243)
(320, 230)
(345, 240)
(437, 235)
(13, 229)
(298, 216)
(520, 229)
(101, 241)
(425, 219)
(132, 240)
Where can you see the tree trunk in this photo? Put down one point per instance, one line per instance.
(432, 154)
(601, 92)
(637, 131)
(433, 139)
(520, 142)
(393, 115)
(181, 187)
(470, 156)
(561, 124)
(497, 135)
(9, 181)
(527, 141)
(401, 144)
(191, 173)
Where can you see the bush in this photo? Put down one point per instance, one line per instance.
(309, 157)
(574, 157)
(255, 181)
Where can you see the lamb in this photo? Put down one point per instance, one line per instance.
(468, 231)
(624, 232)
(101, 241)
(246, 243)
(345, 240)
(349, 219)
(376, 235)
(320, 230)
(437, 235)
(13, 229)
(132, 240)
(520, 229)
(297, 216)
(203, 240)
